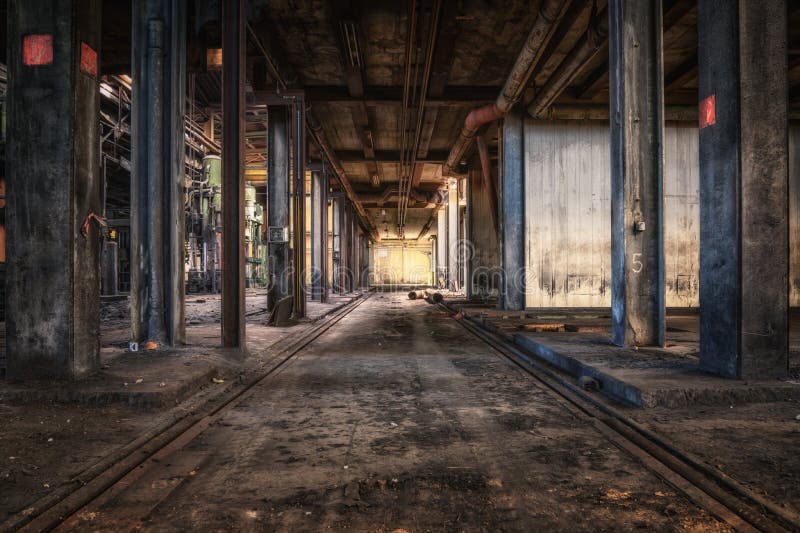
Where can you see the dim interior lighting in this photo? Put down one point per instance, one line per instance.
(214, 58)
(383, 212)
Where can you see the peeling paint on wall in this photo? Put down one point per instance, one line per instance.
(568, 215)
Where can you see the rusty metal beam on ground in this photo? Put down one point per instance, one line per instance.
(233, 274)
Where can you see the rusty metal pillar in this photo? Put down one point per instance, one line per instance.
(233, 69)
(157, 177)
(54, 187)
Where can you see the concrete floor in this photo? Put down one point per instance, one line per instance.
(397, 419)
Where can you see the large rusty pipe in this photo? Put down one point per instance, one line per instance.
(550, 14)
(587, 47)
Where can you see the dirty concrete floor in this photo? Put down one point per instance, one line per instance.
(398, 419)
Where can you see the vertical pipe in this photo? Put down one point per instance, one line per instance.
(233, 56)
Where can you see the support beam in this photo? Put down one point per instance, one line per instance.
(743, 189)
(298, 269)
(319, 236)
(278, 205)
(53, 164)
(441, 249)
(233, 123)
(637, 199)
(157, 177)
(336, 233)
(512, 217)
(452, 239)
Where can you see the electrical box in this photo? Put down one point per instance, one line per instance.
(278, 234)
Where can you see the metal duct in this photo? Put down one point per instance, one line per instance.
(592, 40)
(550, 14)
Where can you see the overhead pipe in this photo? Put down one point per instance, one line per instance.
(550, 13)
(593, 39)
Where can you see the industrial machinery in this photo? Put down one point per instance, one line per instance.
(255, 247)
(204, 232)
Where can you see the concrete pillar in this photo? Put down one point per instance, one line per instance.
(743, 188)
(54, 182)
(452, 238)
(441, 248)
(233, 123)
(278, 205)
(637, 199)
(157, 175)
(319, 236)
(512, 216)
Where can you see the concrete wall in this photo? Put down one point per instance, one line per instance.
(398, 263)
(567, 220)
(484, 254)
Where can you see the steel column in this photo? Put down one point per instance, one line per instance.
(637, 159)
(233, 122)
(743, 188)
(280, 279)
(157, 176)
(336, 209)
(298, 270)
(319, 235)
(512, 216)
(54, 183)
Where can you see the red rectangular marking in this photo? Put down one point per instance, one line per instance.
(708, 111)
(37, 50)
(88, 60)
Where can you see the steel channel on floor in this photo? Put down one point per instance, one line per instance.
(63, 511)
(707, 487)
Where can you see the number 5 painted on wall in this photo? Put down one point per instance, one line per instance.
(637, 263)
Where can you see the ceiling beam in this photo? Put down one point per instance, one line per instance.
(374, 96)
(387, 156)
(681, 75)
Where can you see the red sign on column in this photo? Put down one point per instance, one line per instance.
(88, 60)
(708, 111)
(37, 50)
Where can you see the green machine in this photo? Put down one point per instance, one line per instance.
(204, 232)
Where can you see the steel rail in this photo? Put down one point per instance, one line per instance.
(54, 510)
(706, 486)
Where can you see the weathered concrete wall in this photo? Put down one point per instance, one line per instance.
(484, 254)
(794, 215)
(402, 263)
(567, 221)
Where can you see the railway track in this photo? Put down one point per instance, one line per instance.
(60, 510)
(703, 484)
